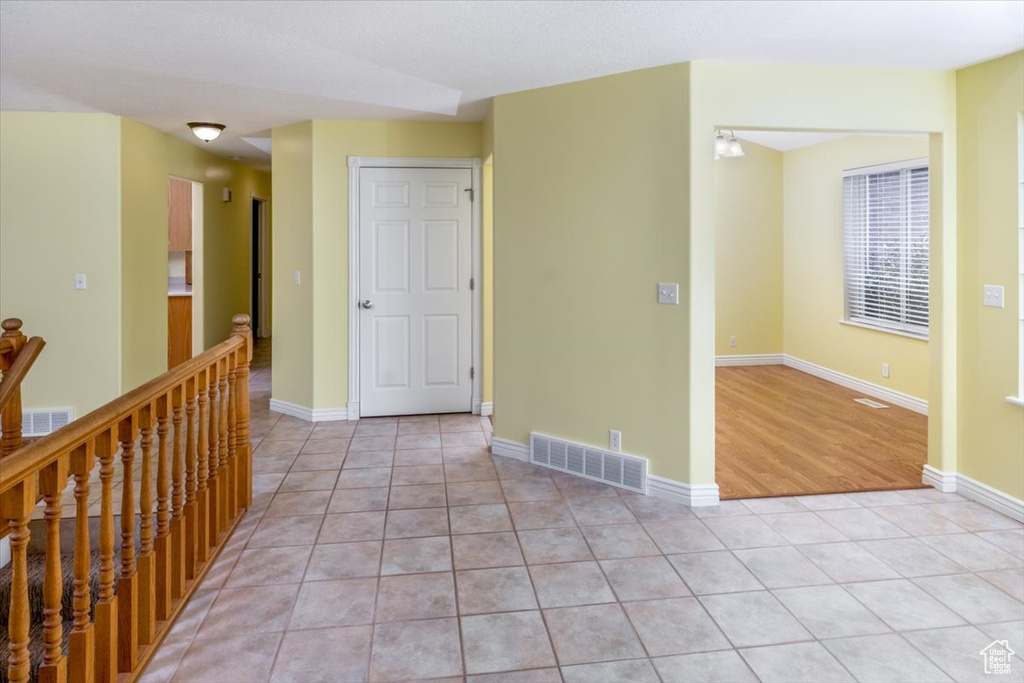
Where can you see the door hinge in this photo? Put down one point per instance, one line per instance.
(471, 191)
(472, 373)
(472, 284)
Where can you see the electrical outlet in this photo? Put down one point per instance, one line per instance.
(615, 440)
(885, 369)
(993, 296)
(732, 342)
(668, 293)
(297, 277)
(80, 281)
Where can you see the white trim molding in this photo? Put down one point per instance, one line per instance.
(896, 398)
(750, 359)
(994, 499)
(475, 165)
(936, 478)
(308, 414)
(510, 449)
(691, 495)
(486, 409)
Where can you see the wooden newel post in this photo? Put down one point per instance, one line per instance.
(10, 419)
(243, 447)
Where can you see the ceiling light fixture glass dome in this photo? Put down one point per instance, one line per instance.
(206, 131)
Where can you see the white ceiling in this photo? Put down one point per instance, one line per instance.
(784, 141)
(256, 65)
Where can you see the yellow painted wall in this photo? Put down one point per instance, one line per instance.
(813, 271)
(763, 96)
(590, 214)
(148, 158)
(60, 215)
(316, 220)
(292, 341)
(748, 244)
(990, 97)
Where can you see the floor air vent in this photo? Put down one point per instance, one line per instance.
(617, 469)
(43, 422)
(870, 403)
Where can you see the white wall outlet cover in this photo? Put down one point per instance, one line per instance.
(994, 296)
(885, 369)
(297, 277)
(226, 194)
(732, 341)
(615, 440)
(668, 293)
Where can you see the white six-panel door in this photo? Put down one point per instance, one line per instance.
(415, 301)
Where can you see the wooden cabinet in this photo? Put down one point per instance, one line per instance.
(179, 330)
(179, 215)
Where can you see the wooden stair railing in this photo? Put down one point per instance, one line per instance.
(16, 358)
(203, 485)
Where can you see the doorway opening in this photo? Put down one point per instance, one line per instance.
(259, 269)
(184, 270)
(822, 311)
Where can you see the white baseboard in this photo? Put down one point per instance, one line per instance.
(691, 495)
(983, 494)
(308, 414)
(510, 449)
(937, 479)
(867, 388)
(751, 359)
(695, 495)
(486, 409)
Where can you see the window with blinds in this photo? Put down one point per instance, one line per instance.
(885, 245)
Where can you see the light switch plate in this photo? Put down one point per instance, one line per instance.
(994, 296)
(80, 281)
(668, 293)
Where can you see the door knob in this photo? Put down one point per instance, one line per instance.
(366, 303)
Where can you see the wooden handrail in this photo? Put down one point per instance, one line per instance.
(195, 489)
(19, 369)
(37, 455)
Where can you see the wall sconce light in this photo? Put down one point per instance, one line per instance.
(206, 131)
(727, 147)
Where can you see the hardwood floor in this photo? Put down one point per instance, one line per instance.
(783, 432)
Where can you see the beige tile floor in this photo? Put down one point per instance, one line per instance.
(400, 549)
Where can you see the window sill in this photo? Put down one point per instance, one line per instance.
(1015, 400)
(887, 330)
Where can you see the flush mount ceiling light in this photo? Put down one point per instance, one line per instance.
(206, 131)
(727, 147)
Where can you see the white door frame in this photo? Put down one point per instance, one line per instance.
(354, 164)
(264, 250)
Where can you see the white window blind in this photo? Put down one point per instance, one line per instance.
(885, 245)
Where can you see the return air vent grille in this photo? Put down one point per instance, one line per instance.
(43, 422)
(624, 471)
(870, 403)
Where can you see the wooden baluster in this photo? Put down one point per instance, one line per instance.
(222, 444)
(177, 499)
(243, 447)
(232, 436)
(147, 561)
(52, 480)
(105, 618)
(214, 481)
(190, 479)
(202, 492)
(10, 420)
(17, 503)
(163, 515)
(80, 642)
(127, 583)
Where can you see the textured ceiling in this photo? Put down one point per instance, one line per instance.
(256, 65)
